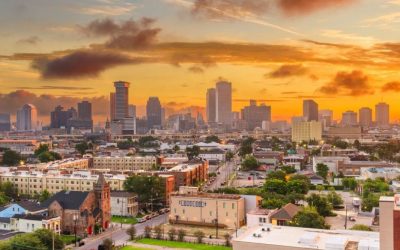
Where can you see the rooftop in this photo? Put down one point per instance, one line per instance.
(210, 196)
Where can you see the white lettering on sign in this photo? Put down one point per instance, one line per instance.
(192, 203)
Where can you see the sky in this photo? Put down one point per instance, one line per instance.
(344, 54)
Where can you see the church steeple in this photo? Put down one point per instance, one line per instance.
(102, 193)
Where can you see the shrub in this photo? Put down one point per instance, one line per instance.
(199, 236)
(147, 232)
(181, 234)
(171, 234)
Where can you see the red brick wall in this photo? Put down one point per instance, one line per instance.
(396, 230)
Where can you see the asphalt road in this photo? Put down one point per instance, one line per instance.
(223, 176)
(118, 234)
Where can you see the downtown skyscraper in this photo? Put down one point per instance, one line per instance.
(154, 113)
(224, 103)
(211, 105)
(27, 118)
(382, 114)
(119, 101)
(310, 110)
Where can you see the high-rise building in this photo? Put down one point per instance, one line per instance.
(59, 117)
(85, 110)
(349, 118)
(325, 116)
(132, 111)
(365, 117)
(27, 118)
(254, 115)
(211, 106)
(382, 114)
(223, 95)
(119, 101)
(154, 113)
(5, 122)
(310, 110)
(306, 131)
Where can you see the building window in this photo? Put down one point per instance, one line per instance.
(223, 204)
(233, 205)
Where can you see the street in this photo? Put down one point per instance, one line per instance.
(118, 234)
(223, 176)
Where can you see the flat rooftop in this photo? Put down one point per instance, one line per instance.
(307, 238)
(209, 196)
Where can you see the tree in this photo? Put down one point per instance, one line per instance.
(9, 190)
(321, 203)
(322, 170)
(229, 155)
(11, 158)
(320, 188)
(131, 231)
(249, 163)
(82, 147)
(158, 232)
(288, 169)
(147, 232)
(297, 186)
(301, 178)
(275, 186)
(49, 156)
(27, 241)
(335, 199)
(227, 238)
(176, 148)
(199, 236)
(279, 175)
(192, 152)
(171, 234)
(357, 144)
(370, 201)
(349, 183)
(246, 147)
(108, 244)
(44, 195)
(127, 144)
(148, 188)
(361, 227)
(46, 238)
(181, 234)
(309, 218)
(41, 149)
(212, 138)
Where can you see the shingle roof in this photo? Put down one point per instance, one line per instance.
(4, 220)
(67, 199)
(122, 194)
(286, 213)
(30, 206)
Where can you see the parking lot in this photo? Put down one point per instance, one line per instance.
(246, 179)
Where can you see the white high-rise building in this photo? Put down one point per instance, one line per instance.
(306, 131)
(365, 116)
(27, 118)
(224, 103)
(349, 118)
(382, 114)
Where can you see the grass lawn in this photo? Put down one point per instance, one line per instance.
(134, 248)
(124, 220)
(176, 244)
(68, 239)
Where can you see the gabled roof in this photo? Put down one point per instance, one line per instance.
(30, 206)
(286, 213)
(4, 220)
(67, 199)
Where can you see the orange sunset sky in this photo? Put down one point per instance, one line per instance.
(344, 54)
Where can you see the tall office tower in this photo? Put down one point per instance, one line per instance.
(112, 106)
(365, 116)
(132, 111)
(85, 110)
(349, 118)
(211, 106)
(326, 117)
(254, 115)
(382, 114)
(223, 98)
(27, 118)
(5, 122)
(121, 100)
(153, 112)
(310, 110)
(59, 117)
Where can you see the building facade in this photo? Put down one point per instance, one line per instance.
(211, 105)
(306, 131)
(310, 110)
(365, 117)
(124, 163)
(27, 118)
(223, 99)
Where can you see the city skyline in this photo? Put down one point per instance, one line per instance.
(284, 53)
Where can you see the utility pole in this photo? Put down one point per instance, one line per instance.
(122, 210)
(345, 221)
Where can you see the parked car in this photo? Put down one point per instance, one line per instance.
(141, 220)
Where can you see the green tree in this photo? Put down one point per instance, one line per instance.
(301, 178)
(335, 199)
(44, 195)
(275, 186)
(147, 141)
(320, 188)
(288, 169)
(41, 149)
(279, 175)
(297, 186)
(199, 236)
(26, 241)
(176, 148)
(322, 170)
(349, 183)
(321, 203)
(212, 138)
(309, 218)
(108, 244)
(46, 237)
(131, 231)
(11, 158)
(148, 188)
(229, 155)
(49, 156)
(246, 147)
(370, 201)
(9, 190)
(192, 152)
(357, 144)
(249, 163)
(82, 147)
(127, 144)
(361, 227)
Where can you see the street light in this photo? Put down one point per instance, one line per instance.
(75, 219)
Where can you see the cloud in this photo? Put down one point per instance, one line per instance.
(224, 8)
(305, 7)
(290, 93)
(196, 69)
(11, 102)
(288, 70)
(32, 40)
(353, 83)
(340, 35)
(257, 100)
(80, 64)
(48, 87)
(391, 87)
(115, 8)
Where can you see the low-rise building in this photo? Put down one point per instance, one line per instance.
(28, 223)
(189, 173)
(353, 168)
(331, 162)
(205, 209)
(385, 173)
(213, 155)
(124, 163)
(24, 147)
(259, 217)
(284, 215)
(124, 203)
